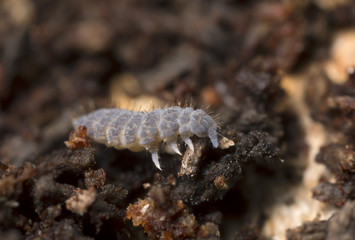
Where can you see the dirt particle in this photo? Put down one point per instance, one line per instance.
(95, 178)
(78, 139)
(220, 183)
(80, 202)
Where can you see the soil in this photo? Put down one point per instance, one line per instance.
(277, 76)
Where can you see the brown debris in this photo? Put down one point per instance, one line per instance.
(316, 230)
(191, 159)
(67, 160)
(340, 160)
(80, 202)
(208, 229)
(220, 183)
(65, 229)
(112, 193)
(101, 213)
(210, 97)
(248, 232)
(230, 55)
(201, 187)
(164, 218)
(78, 139)
(342, 224)
(95, 178)
(47, 190)
(160, 223)
(7, 185)
(225, 143)
(50, 213)
(12, 180)
(345, 103)
(330, 193)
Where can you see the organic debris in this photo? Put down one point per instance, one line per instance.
(230, 58)
(81, 200)
(78, 139)
(165, 218)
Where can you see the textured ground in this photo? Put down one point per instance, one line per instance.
(279, 77)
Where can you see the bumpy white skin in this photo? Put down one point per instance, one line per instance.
(137, 131)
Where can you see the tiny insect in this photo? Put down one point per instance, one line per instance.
(137, 131)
